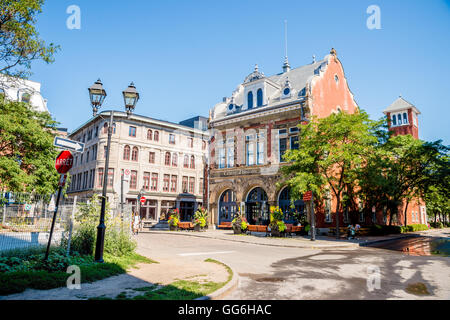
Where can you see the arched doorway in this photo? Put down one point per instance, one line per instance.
(284, 202)
(227, 206)
(256, 207)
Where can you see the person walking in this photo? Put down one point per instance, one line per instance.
(136, 223)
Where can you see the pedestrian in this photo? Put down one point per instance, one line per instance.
(350, 232)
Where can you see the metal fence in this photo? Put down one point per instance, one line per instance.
(25, 220)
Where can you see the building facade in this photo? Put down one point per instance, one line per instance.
(252, 129)
(22, 90)
(165, 162)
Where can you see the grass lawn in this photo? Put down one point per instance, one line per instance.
(35, 277)
(178, 290)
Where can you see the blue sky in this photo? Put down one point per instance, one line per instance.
(184, 56)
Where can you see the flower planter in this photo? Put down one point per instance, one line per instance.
(197, 228)
(173, 228)
(237, 230)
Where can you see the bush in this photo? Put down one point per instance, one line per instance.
(414, 228)
(437, 225)
(118, 243)
(381, 230)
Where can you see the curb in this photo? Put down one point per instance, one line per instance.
(365, 244)
(312, 246)
(225, 290)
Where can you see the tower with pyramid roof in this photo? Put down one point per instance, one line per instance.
(403, 118)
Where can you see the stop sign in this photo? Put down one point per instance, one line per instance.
(64, 162)
(143, 200)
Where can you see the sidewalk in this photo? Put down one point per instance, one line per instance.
(322, 242)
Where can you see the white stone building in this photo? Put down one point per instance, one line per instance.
(17, 89)
(166, 161)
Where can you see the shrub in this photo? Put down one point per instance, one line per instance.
(437, 225)
(201, 217)
(174, 217)
(414, 228)
(381, 230)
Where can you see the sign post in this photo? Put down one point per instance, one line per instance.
(63, 164)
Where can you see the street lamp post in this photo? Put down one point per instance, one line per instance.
(97, 96)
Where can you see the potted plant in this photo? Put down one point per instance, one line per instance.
(239, 224)
(277, 225)
(200, 219)
(174, 219)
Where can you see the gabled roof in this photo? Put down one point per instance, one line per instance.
(401, 104)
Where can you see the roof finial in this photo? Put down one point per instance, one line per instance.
(256, 68)
(314, 58)
(286, 66)
(333, 52)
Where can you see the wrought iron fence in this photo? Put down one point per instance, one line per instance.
(25, 220)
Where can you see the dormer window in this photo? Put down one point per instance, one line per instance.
(286, 91)
(250, 100)
(259, 99)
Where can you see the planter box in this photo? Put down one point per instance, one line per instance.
(237, 230)
(173, 228)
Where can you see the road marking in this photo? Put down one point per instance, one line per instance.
(203, 253)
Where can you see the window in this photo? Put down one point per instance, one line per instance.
(175, 160)
(230, 156)
(167, 159)
(294, 142)
(110, 177)
(191, 184)
(259, 98)
(192, 162)
(200, 186)
(250, 150)
(186, 161)
(87, 157)
(126, 153)
(149, 135)
(184, 184)
(190, 142)
(151, 157)
(105, 128)
(250, 100)
(156, 136)
(166, 182)
(260, 152)
(173, 184)
(132, 131)
(221, 158)
(203, 145)
(405, 118)
(399, 119)
(96, 132)
(328, 208)
(171, 138)
(336, 78)
(283, 148)
(394, 120)
(26, 97)
(146, 181)
(361, 211)
(154, 185)
(135, 154)
(133, 180)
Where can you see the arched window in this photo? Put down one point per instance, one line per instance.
(156, 136)
(149, 135)
(257, 208)
(105, 128)
(26, 97)
(167, 159)
(285, 204)
(250, 100)
(126, 153)
(186, 161)
(192, 162)
(259, 98)
(134, 155)
(227, 206)
(175, 160)
(203, 145)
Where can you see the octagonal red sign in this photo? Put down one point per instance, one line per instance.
(143, 199)
(64, 162)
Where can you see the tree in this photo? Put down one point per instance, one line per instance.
(27, 154)
(20, 44)
(331, 150)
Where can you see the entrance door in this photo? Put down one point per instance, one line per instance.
(227, 206)
(256, 207)
(186, 210)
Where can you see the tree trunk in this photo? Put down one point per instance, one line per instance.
(435, 218)
(338, 202)
(406, 213)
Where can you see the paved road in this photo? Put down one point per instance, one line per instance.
(268, 272)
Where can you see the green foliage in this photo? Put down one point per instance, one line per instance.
(414, 228)
(201, 217)
(174, 217)
(20, 43)
(239, 222)
(437, 225)
(276, 219)
(38, 277)
(117, 239)
(26, 146)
